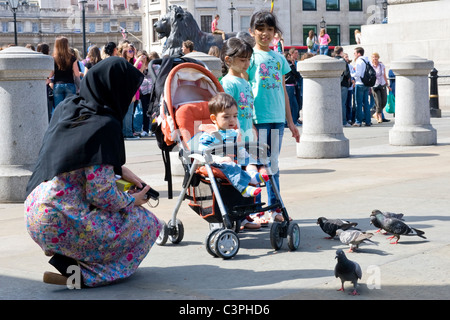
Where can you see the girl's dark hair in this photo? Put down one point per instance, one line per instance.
(235, 48)
(264, 17)
(109, 48)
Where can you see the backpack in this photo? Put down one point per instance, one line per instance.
(370, 77)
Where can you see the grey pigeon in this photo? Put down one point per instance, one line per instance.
(329, 226)
(347, 270)
(386, 214)
(396, 227)
(354, 238)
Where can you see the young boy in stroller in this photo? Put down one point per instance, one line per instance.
(223, 109)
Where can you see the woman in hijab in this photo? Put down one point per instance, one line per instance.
(74, 209)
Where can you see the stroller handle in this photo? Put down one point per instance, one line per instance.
(260, 149)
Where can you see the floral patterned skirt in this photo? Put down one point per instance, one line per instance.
(82, 215)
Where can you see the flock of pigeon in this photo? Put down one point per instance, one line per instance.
(348, 270)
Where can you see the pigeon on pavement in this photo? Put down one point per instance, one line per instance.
(354, 238)
(347, 270)
(386, 214)
(395, 226)
(329, 226)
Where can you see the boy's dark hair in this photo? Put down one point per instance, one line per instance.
(220, 102)
(189, 44)
(264, 17)
(359, 50)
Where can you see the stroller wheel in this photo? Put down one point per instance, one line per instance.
(293, 236)
(176, 231)
(276, 240)
(209, 243)
(226, 244)
(163, 235)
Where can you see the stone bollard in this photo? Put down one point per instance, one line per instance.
(23, 117)
(212, 63)
(412, 112)
(322, 132)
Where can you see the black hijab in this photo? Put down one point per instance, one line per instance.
(86, 129)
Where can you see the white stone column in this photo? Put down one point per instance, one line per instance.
(412, 112)
(322, 131)
(23, 117)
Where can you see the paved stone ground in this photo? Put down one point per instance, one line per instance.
(411, 180)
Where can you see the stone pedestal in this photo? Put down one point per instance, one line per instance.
(212, 63)
(412, 112)
(23, 117)
(322, 132)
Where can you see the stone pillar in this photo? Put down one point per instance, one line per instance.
(412, 113)
(23, 117)
(322, 132)
(212, 63)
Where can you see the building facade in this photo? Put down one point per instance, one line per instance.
(41, 21)
(296, 17)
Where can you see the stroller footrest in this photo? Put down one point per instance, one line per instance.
(246, 209)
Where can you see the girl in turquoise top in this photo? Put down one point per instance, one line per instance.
(271, 106)
(236, 54)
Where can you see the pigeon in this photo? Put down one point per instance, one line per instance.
(354, 238)
(347, 270)
(396, 227)
(329, 226)
(386, 214)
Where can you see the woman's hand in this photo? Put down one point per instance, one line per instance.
(140, 197)
(129, 176)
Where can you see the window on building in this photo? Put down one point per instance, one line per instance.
(56, 27)
(244, 23)
(137, 26)
(154, 33)
(309, 5)
(335, 34)
(123, 25)
(34, 27)
(4, 26)
(205, 23)
(333, 5)
(19, 26)
(352, 29)
(355, 5)
(106, 26)
(306, 28)
(91, 27)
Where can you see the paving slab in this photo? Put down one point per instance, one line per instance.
(411, 180)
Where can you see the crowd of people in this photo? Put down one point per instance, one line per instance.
(359, 102)
(70, 68)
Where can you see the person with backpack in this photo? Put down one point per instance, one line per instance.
(346, 82)
(360, 72)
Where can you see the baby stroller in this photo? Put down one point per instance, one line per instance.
(183, 115)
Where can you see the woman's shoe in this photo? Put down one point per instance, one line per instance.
(55, 278)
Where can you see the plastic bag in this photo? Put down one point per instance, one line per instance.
(390, 105)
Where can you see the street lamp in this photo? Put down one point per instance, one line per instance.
(232, 9)
(83, 11)
(323, 23)
(384, 5)
(14, 5)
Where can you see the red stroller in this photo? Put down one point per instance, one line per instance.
(184, 110)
